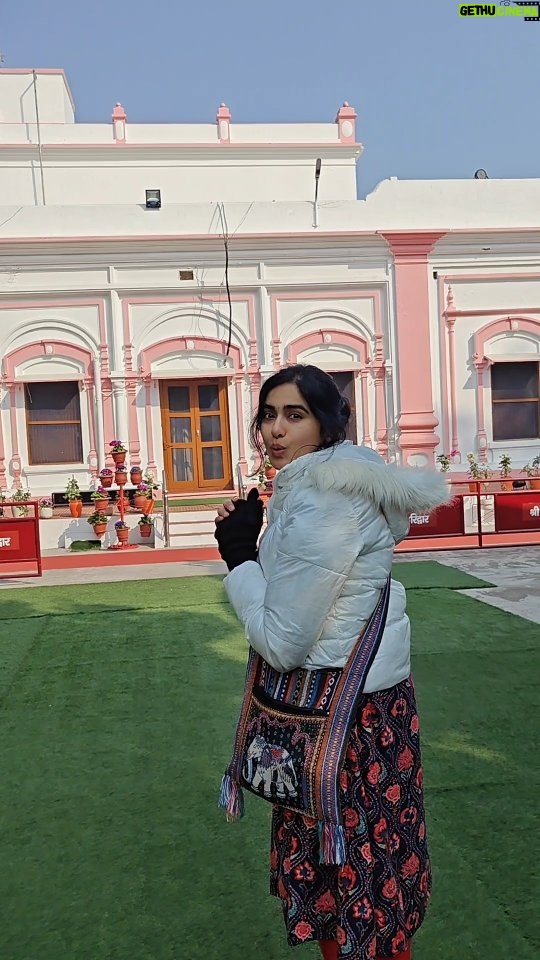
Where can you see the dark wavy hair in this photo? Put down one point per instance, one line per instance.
(322, 396)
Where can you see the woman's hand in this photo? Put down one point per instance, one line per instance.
(238, 525)
(224, 510)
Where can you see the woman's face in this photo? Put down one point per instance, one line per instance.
(289, 429)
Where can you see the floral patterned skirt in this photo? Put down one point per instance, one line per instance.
(376, 901)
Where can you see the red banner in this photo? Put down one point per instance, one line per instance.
(19, 543)
(515, 512)
(447, 521)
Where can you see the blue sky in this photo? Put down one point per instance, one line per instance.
(437, 95)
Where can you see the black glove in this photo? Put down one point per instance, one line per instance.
(238, 533)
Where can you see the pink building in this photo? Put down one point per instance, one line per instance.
(154, 317)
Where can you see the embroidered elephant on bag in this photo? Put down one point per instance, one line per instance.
(271, 766)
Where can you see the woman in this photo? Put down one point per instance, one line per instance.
(304, 593)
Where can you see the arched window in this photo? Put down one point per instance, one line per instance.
(53, 422)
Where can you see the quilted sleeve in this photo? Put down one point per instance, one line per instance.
(285, 615)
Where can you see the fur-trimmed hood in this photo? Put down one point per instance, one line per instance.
(360, 472)
(404, 489)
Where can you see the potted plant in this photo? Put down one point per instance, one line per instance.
(21, 497)
(122, 531)
(135, 475)
(142, 496)
(477, 473)
(118, 451)
(266, 474)
(444, 462)
(100, 498)
(45, 508)
(106, 477)
(120, 474)
(73, 496)
(532, 470)
(146, 524)
(505, 467)
(3, 499)
(98, 521)
(150, 482)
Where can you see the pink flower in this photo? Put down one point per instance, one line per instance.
(326, 903)
(303, 930)
(393, 793)
(373, 773)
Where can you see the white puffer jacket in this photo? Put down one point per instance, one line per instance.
(333, 521)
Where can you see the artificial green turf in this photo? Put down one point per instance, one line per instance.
(118, 703)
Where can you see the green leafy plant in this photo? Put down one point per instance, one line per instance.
(505, 465)
(150, 481)
(22, 497)
(477, 471)
(73, 491)
(532, 469)
(146, 521)
(97, 517)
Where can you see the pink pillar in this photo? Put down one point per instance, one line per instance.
(366, 439)
(3, 485)
(134, 443)
(152, 465)
(346, 121)
(91, 406)
(417, 420)
(15, 462)
(381, 431)
(238, 384)
(223, 120)
(119, 120)
(452, 371)
(276, 342)
(481, 436)
(108, 417)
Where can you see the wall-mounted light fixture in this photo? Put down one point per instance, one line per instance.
(153, 199)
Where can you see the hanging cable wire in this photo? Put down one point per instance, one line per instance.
(225, 236)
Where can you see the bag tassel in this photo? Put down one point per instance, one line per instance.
(332, 843)
(231, 798)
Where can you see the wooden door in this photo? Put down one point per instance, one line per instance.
(195, 426)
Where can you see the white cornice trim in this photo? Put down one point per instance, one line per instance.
(214, 153)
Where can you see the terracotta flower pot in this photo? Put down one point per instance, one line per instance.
(506, 485)
(140, 501)
(99, 529)
(75, 508)
(136, 476)
(120, 477)
(534, 483)
(148, 506)
(270, 473)
(101, 505)
(123, 535)
(145, 529)
(106, 482)
(118, 457)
